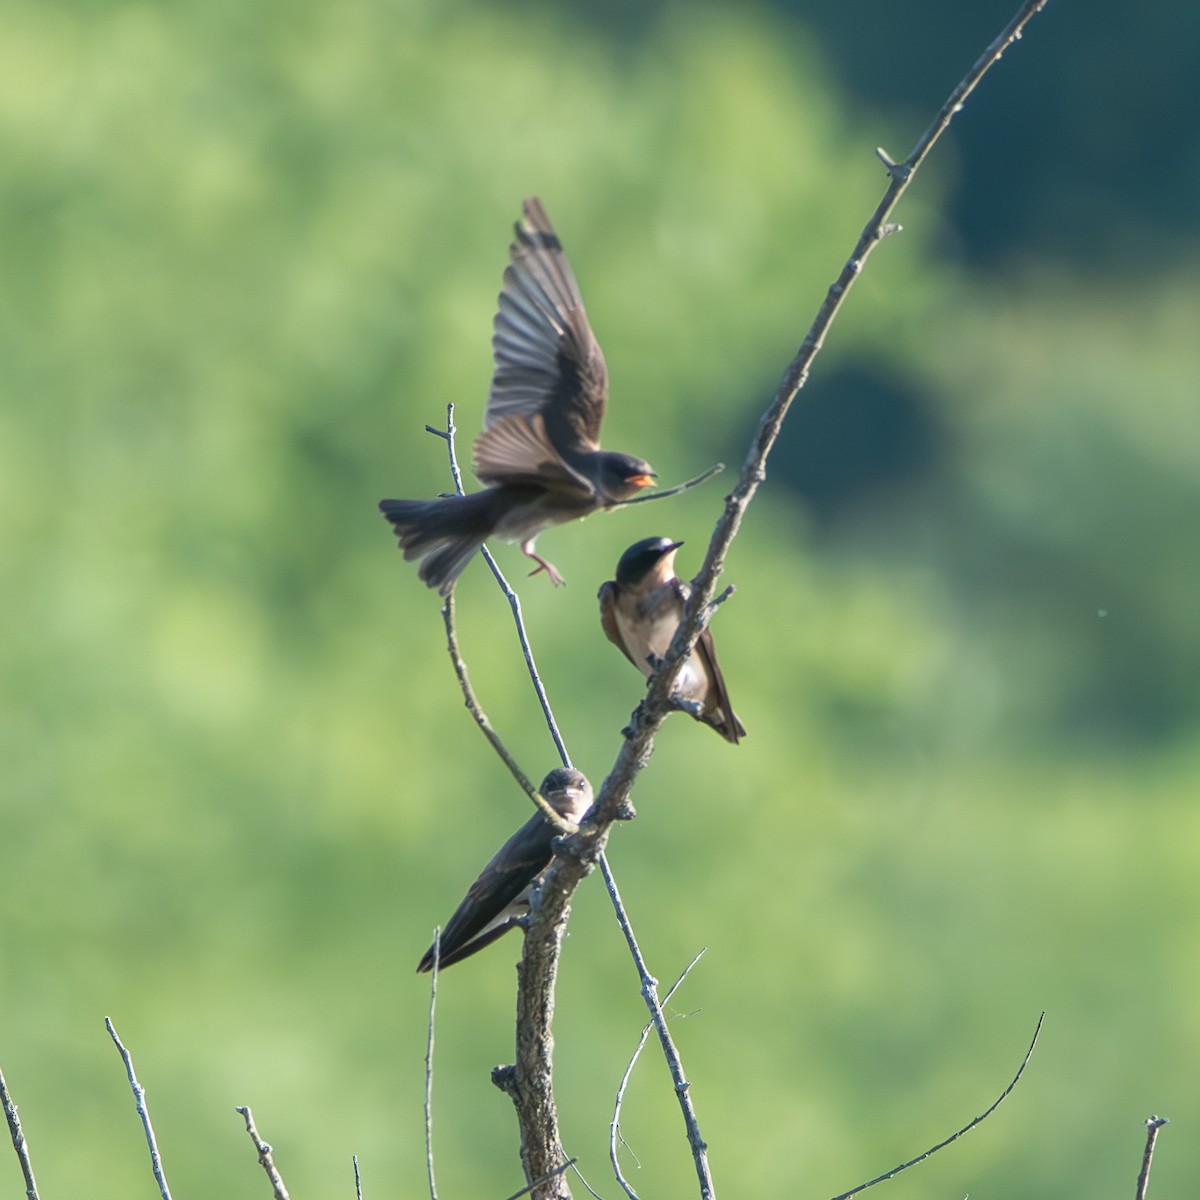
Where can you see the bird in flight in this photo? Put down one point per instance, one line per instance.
(539, 453)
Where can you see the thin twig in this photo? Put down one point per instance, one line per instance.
(615, 1128)
(704, 477)
(514, 602)
(357, 1179)
(670, 1053)
(139, 1097)
(265, 1159)
(433, 982)
(1153, 1125)
(983, 1116)
(18, 1139)
(544, 1179)
(472, 701)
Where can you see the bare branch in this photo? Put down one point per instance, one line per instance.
(688, 484)
(264, 1154)
(670, 1053)
(514, 600)
(357, 1179)
(433, 982)
(615, 1127)
(139, 1097)
(544, 1179)
(983, 1116)
(1153, 1125)
(18, 1139)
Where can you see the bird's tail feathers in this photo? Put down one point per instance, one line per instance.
(443, 533)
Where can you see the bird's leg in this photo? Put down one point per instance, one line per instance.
(542, 564)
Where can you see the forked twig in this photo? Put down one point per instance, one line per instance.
(649, 985)
(1153, 1125)
(265, 1159)
(139, 1097)
(18, 1139)
(615, 1127)
(670, 1052)
(983, 1116)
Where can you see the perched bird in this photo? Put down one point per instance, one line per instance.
(540, 446)
(640, 612)
(499, 898)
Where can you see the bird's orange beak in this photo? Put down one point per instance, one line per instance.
(642, 481)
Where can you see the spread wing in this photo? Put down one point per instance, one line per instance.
(516, 449)
(546, 359)
(607, 595)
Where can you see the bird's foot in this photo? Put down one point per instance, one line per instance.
(548, 567)
(653, 661)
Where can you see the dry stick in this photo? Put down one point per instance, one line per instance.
(513, 599)
(659, 1021)
(570, 1162)
(139, 1097)
(433, 982)
(18, 1139)
(357, 1179)
(264, 1154)
(983, 1116)
(1153, 1125)
(687, 484)
(615, 1127)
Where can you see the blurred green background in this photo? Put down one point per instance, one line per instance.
(248, 251)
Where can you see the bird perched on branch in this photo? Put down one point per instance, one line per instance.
(499, 899)
(640, 611)
(539, 451)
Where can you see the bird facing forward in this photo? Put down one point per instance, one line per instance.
(539, 451)
(640, 612)
(499, 899)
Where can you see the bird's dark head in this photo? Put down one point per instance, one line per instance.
(650, 556)
(622, 475)
(568, 792)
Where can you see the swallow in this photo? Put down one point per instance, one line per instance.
(640, 612)
(499, 899)
(539, 452)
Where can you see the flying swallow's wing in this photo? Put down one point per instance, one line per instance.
(512, 869)
(607, 595)
(546, 358)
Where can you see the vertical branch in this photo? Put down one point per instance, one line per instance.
(433, 982)
(18, 1139)
(1153, 1125)
(265, 1159)
(139, 1097)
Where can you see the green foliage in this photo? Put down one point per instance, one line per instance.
(249, 253)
